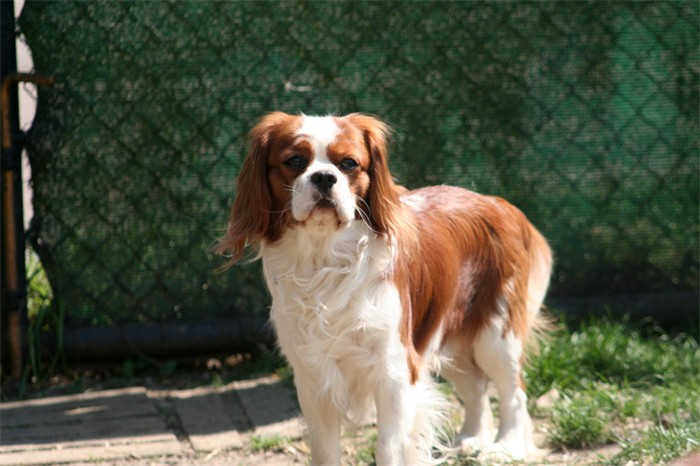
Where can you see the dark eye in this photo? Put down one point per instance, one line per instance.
(347, 164)
(295, 162)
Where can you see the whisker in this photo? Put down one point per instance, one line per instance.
(281, 219)
(363, 213)
(289, 204)
(290, 189)
(277, 211)
(361, 201)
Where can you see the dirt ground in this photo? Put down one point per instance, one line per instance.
(355, 446)
(290, 447)
(296, 452)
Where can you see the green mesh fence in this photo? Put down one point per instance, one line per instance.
(584, 114)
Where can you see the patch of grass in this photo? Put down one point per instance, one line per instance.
(619, 384)
(39, 292)
(661, 445)
(260, 443)
(580, 422)
(45, 315)
(672, 415)
(467, 459)
(610, 352)
(365, 451)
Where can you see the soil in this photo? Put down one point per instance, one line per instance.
(356, 444)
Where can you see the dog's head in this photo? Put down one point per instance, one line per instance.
(316, 173)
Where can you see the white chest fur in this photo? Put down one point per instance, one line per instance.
(336, 314)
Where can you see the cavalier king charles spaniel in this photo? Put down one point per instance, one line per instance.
(375, 287)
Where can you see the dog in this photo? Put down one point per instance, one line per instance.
(375, 287)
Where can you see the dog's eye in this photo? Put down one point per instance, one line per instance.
(347, 164)
(295, 162)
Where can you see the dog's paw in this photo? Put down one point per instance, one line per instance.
(503, 451)
(472, 445)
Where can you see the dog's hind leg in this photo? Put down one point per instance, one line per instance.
(470, 384)
(499, 356)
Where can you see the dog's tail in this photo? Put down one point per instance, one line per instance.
(541, 264)
(431, 431)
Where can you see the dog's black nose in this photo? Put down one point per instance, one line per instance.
(324, 181)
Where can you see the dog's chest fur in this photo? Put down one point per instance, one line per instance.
(336, 313)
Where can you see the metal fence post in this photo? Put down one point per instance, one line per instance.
(13, 271)
(14, 282)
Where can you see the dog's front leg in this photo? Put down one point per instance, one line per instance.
(323, 421)
(394, 422)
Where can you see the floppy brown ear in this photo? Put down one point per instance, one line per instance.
(386, 213)
(250, 214)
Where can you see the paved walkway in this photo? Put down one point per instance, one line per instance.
(133, 422)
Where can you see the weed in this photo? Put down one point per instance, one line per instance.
(216, 380)
(260, 443)
(39, 292)
(44, 315)
(365, 452)
(581, 422)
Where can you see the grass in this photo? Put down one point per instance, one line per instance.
(39, 292)
(610, 352)
(260, 443)
(579, 422)
(636, 388)
(365, 450)
(661, 445)
(45, 314)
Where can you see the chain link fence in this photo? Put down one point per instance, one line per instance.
(583, 114)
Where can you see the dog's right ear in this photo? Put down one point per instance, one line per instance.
(250, 220)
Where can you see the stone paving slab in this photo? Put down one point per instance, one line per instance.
(125, 424)
(223, 418)
(101, 424)
(271, 407)
(206, 421)
(89, 453)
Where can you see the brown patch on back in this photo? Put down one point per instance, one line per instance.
(473, 262)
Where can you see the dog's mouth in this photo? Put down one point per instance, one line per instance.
(325, 203)
(323, 217)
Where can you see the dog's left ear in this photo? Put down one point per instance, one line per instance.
(386, 212)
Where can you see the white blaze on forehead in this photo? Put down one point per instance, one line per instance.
(320, 131)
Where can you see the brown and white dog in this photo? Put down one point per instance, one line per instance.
(374, 286)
